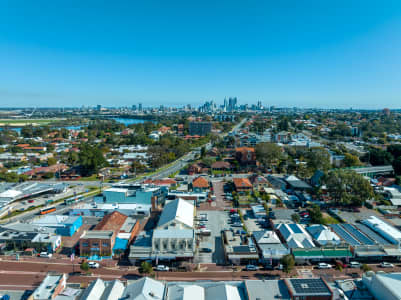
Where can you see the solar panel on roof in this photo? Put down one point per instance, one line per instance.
(357, 234)
(345, 235)
(373, 235)
(309, 286)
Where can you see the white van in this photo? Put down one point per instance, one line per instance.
(354, 264)
(45, 254)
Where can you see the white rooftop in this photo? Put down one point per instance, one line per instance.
(179, 210)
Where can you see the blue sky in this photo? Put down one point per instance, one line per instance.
(310, 53)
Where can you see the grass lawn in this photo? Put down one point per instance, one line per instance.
(89, 178)
(23, 122)
(329, 219)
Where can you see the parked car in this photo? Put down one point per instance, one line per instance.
(93, 265)
(45, 254)
(162, 268)
(251, 268)
(237, 224)
(323, 266)
(354, 264)
(386, 265)
(206, 250)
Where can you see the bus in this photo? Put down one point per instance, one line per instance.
(73, 200)
(48, 210)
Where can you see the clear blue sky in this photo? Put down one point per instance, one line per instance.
(309, 53)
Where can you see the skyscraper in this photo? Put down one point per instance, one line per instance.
(232, 104)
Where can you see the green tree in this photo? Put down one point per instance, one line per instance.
(347, 187)
(84, 266)
(268, 153)
(351, 160)
(295, 217)
(283, 124)
(91, 159)
(378, 157)
(288, 263)
(397, 165)
(316, 215)
(146, 268)
(51, 161)
(318, 159)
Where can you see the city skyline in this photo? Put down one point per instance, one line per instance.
(314, 55)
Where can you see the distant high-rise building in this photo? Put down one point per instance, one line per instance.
(140, 106)
(386, 111)
(134, 107)
(232, 104)
(99, 107)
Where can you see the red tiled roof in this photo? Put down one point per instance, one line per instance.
(242, 182)
(245, 149)
(113, 222)
(220, 165)
(200, 182)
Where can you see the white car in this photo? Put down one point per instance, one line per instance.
(162, 268)
(323, 266)
(45, 254)
(354, 264)
(93, 265)
(386, 265)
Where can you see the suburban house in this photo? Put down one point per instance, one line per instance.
(242, 185)
(221, 166)
(197, 168)
(200, 184)
(246, 156)
(258, 182)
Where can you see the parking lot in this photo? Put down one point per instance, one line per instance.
(251, 222)
(353, 216)
(217, 221)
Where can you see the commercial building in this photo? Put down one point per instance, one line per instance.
(114, 230)
(63, 225)
(294, 235)
(19, 236)
(308, 289)
(100, 289)
(51, 286)
(239, 249)
(142, 195)
(174, 235)
(270, 247)
(323, 235)
(383, 285)
(200, 128)
(102, 209)
(389, 232)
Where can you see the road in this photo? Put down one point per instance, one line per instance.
(20, 274)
